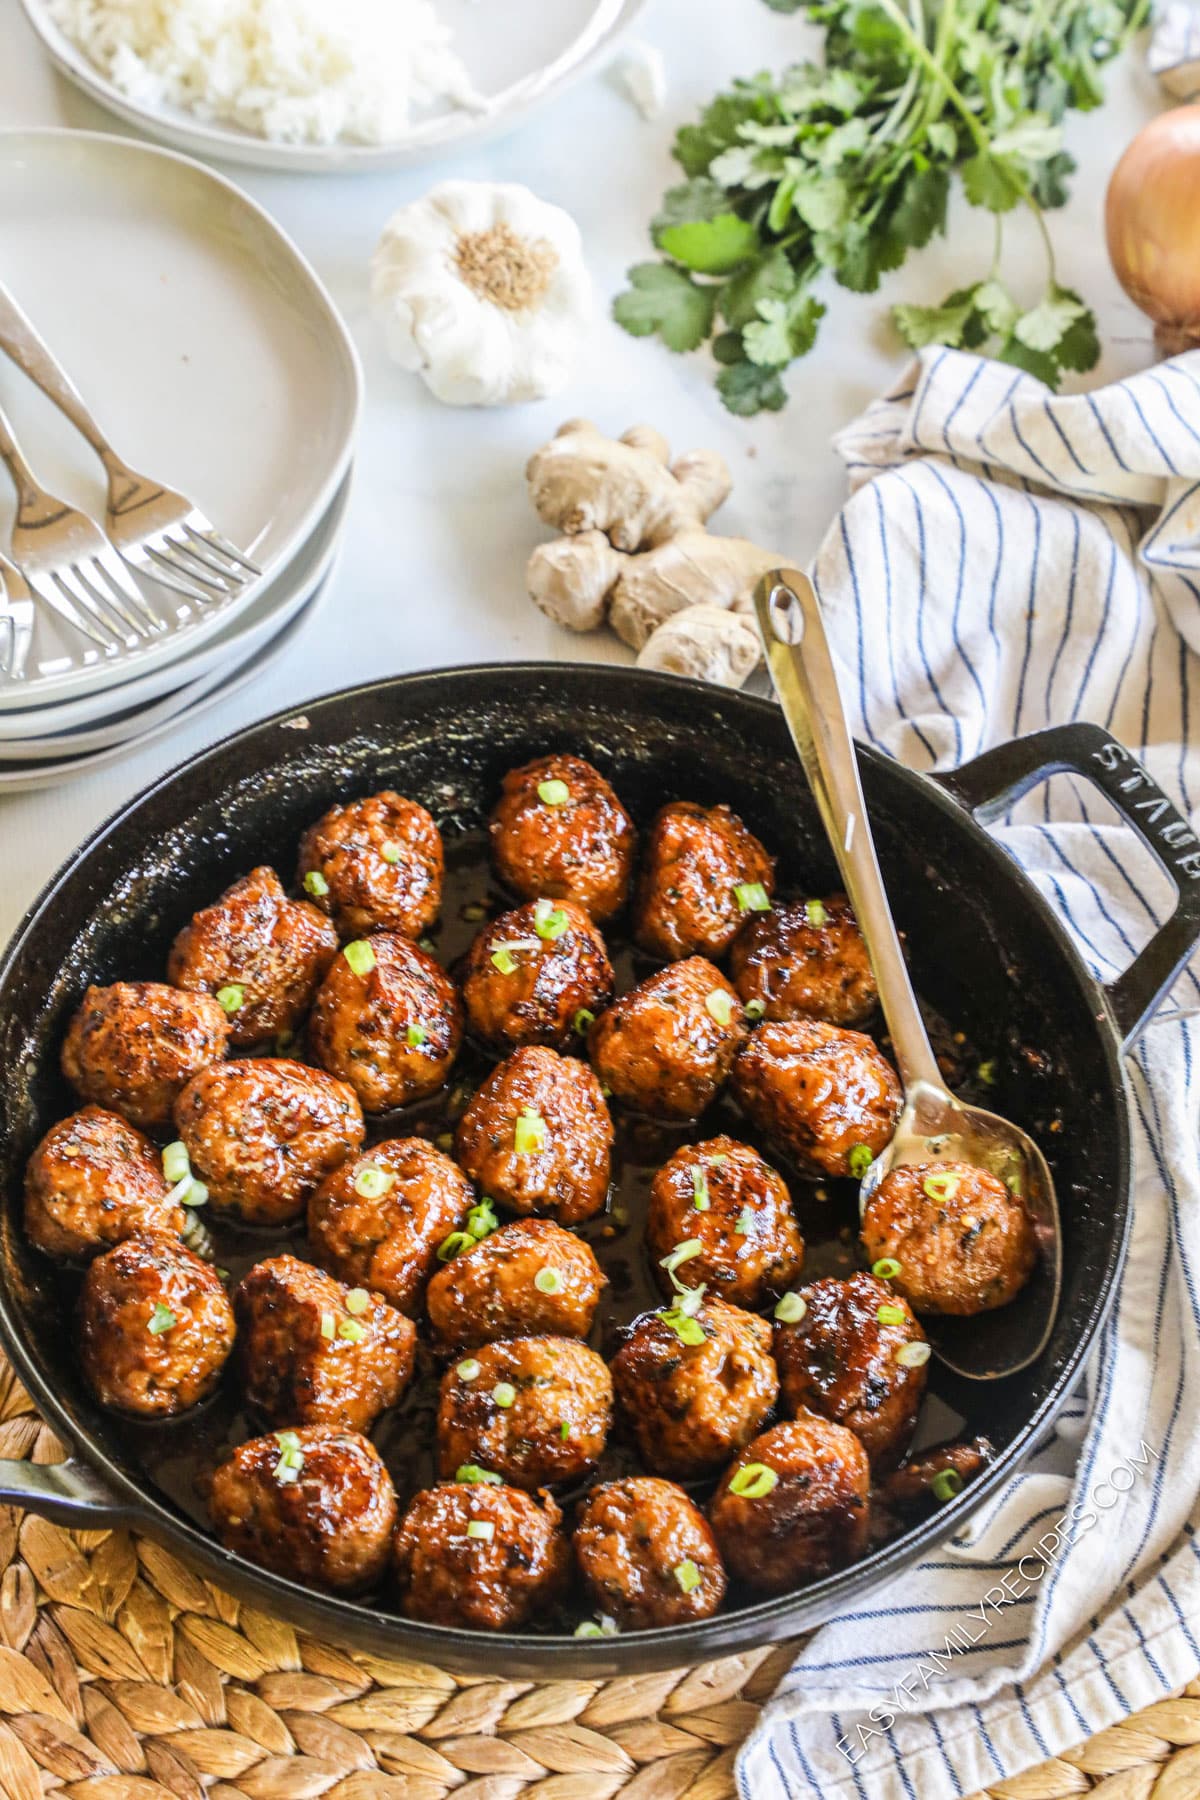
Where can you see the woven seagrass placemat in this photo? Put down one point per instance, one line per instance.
(124, 1676)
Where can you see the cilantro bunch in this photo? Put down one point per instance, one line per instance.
(847, 165)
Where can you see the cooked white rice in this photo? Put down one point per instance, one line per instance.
(298, 71)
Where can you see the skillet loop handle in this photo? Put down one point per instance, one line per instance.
(66, 1493)
(992, 782)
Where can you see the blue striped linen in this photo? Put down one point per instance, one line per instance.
(1009, 560)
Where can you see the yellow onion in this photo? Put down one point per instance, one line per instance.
(1152, 217)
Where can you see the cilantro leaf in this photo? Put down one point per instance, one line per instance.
(664, 299)
(698, 228)
(1043, 327)
(996, 307)
(992, 181)
(921, 210)
(1079, 346)
(944, 324)
(747, 389)
(783, 330)
(771, 277)
(1034, 362)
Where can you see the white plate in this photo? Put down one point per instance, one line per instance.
(206, 346)
(25, 778)
(518, 55)
(252, 628)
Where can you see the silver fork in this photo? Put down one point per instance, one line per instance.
(69, 563)
(160, 532)
(16, 620)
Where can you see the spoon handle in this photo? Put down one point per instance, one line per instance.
(802, 668)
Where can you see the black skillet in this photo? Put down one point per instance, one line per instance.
(987, 952)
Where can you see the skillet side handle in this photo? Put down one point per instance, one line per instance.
(66, 1493)
(989, 785)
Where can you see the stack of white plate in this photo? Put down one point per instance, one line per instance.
(216, 361)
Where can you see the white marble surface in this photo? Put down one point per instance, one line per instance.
(439, 528)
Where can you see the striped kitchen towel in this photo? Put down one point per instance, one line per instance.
(1009, 560)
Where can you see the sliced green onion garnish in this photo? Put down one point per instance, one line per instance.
(548, 1281)
(175, 1164)
(752, 896)
(680, 1254)
(755, 1010)
(161, 1319)
(175, 1197)
(913, 1356)
(890, 1315)
(372, 1182)
(584, 1019)
(753, 1481)
(468, 1369)
(529, 1132)
(504, 1393)
(791, 1308)
(596, 1628)
(691, 1299)
(416, 1036)
(357, 1300)
(815, 913)
(859, 1160)
(941, 1187)
(550, 921)
(886, 1269)
(482, 1529)
(232, 997)
(391, 852)
(195, 1193)
(291, 1457)
(686, 1329)
(474, 911)
(745, 1220)
(986, 1072)
(564, 1430)
(946, 1483)
(473, 1472)
(482, 1219)
(451, 1246)
(553, 793)
(328, 1325)
(687, 1575)
(287, 1440)
(352, 1331)
(504, 960)
(700, 1199)
(316, 884)
(719, 1006)
(360, 956)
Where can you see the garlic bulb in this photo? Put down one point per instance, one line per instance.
(482, 290)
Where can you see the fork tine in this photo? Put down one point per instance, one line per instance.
(90, 574)
(199, 552)
(196, 525)
(70, 584)
(22, 630)
(122, 582)
(8, 642)
(44, 587)
(175, 572)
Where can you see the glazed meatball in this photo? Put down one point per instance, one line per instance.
(559, 830)
(375, 865)
(134, 1047)
(692, 1405)
(535, 1411)
(316, 1505)
(723, 1197)
(378, 1221)
(537, 1137)
(529, 1279)
(818, 1091)
(813, 1518)
(927, 1481)
(647, 1555)
(92, 1181)
(261, 954)
(262, 1134)
(530, 973)
(805, 961)
(667, 1046)
(700, 879)
(964, 1242)
(156, 1327)
(509, 1569)
(389, 1023)
(851, 1358)
(314, 1352)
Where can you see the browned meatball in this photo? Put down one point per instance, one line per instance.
(135, 1045)
(375, 865)
(534, 1411)
(262, 1134)
(378, 1220)
(316, 1505)
(92, 1181)
(811, 1519)
(259, 953)
(389, 1022)
(964, 1242)
(690, 1404)
(703, 873)
(528, 1279)
(647, 1555)
(537, 1137)
(667, 1046)
(734, 1213)
(805, 961)
(559, 830)
(314, 1352)
(820, 1092)
(530, 973)
(929, 1480)
(510, 1568)
(155, 1327)
(854, 1357)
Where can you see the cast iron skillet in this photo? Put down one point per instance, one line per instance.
(987, 952)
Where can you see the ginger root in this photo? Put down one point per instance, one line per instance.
(637, 552)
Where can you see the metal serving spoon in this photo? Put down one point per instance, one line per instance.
(934, 1126)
